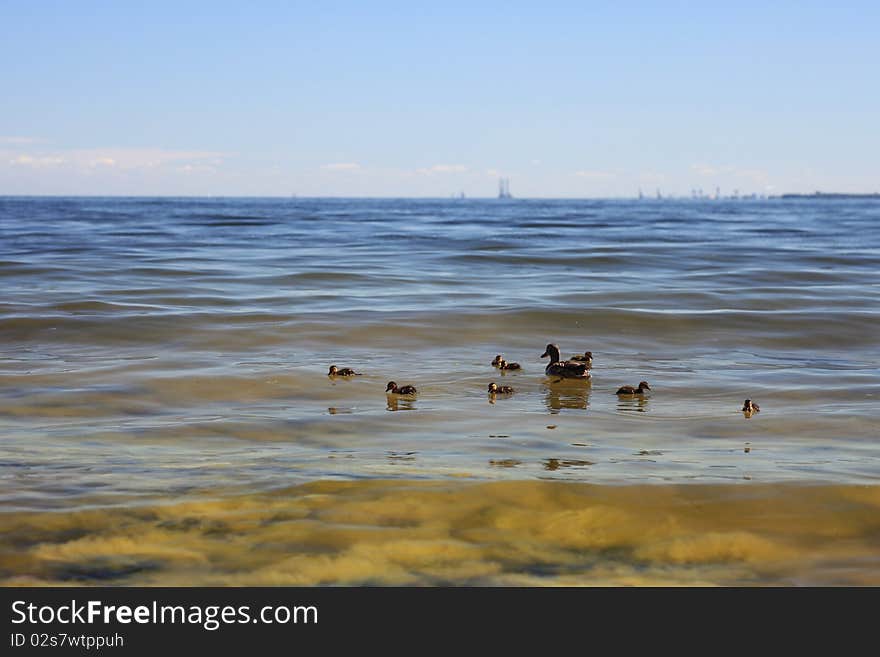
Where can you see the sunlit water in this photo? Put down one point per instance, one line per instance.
(157, 349)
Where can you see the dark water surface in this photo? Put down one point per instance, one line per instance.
(156, 346)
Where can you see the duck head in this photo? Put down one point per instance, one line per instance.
(552, 351)
(333, 370)
(493, 387)
(644, 385)
(391, 386)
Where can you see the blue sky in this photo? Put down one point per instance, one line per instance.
(567, 99)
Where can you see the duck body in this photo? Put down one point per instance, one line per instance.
(494, 389)
(564, 368)
(630, 390)
(342, 371)
(402, 390)
(750, 407)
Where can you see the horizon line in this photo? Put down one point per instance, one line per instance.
(646, 198)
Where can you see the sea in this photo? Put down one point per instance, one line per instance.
(166, 414)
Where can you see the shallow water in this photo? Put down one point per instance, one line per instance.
(512, 533)
(179, 347)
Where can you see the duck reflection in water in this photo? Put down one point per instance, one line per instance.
(335, 410)
(570, 394)
(635, 403)
(555, 464)
(396, 403)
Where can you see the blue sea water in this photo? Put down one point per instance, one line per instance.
(156, 345)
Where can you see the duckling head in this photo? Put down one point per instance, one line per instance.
(644, 385)
(493, 387)
(391, 386)
(333, 370)
(553, 351)
(499, 358)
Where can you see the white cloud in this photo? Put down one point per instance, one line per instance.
(594, 175)
(17, 141)
(136, 158)
(88, 160)
(705, 169)
(756, 176)
(442, 168)
(195, 168)
(36, 162)
(341, 166)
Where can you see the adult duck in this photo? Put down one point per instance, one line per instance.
(564, 368)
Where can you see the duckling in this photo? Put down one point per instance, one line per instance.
(587, 358)
(629, 390)
(494, 389)
(504, 365)
(750, 407)
(404, 390)
(498, 359)
(342, 371)
(563, 368)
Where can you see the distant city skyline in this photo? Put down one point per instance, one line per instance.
(567, 100)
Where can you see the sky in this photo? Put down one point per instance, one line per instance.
(405, 99)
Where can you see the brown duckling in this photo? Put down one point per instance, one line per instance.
(497, 360)
(504, 365)
(495, 389)
(586, 357)
(750, 407)
(629, 390)
(403, 390)
(342, 371)
(563, 368)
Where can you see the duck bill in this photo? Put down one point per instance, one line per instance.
(544, 355)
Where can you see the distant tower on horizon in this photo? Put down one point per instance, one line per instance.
(641, 196)
(504, 188)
